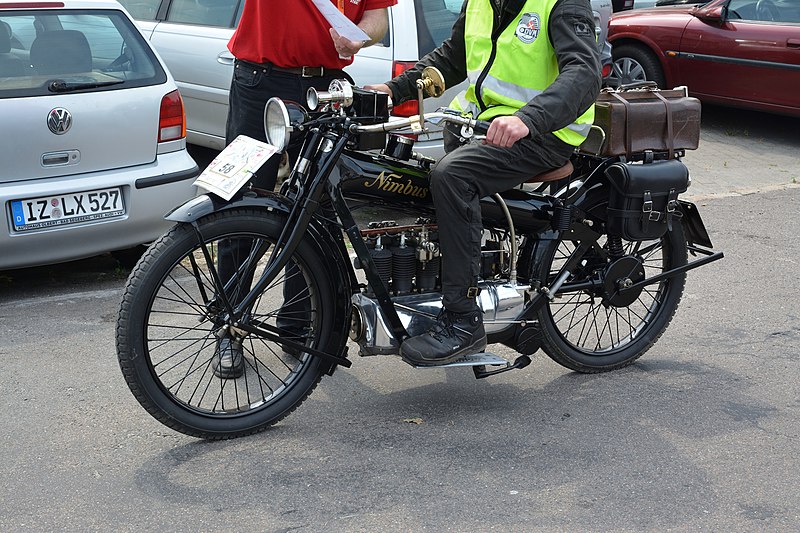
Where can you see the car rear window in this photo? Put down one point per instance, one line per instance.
(56, 51)
(435, 19)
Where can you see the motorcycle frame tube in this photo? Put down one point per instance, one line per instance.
(299, 218)
(588, 239)
(360, 247)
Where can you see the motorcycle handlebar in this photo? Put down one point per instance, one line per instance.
(478, 126)
(481, 127)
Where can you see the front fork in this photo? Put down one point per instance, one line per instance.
(308, 189)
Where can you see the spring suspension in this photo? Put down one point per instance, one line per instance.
(562, 218)
(615, 248)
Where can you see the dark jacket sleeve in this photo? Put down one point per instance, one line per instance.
(450, 58)
(571, 32)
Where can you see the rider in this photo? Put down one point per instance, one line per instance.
(534, 71)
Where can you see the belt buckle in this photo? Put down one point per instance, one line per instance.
(311, 72)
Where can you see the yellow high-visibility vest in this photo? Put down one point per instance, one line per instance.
(513, 71)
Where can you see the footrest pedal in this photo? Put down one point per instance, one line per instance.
(483, 358)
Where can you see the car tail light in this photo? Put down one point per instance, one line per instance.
(410, 108)
(171, 119)
(607, 68)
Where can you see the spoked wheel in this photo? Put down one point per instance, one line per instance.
(588, 331)
(171, 323)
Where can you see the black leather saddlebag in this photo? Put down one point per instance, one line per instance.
(644, 198)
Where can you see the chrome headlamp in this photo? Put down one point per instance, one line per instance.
(283, 122)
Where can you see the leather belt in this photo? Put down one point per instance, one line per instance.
(303, 72)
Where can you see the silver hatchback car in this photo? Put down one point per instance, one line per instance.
(92, 131)
(192, 37)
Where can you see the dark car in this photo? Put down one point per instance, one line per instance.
(742, 53)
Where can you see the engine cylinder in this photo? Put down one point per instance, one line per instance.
(383, 263)
(427, 273)
(403, 267)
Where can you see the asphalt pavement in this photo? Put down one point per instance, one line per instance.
(702, 433)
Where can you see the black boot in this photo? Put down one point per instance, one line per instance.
(228, 360)
(454, 335)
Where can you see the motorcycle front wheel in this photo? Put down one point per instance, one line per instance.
(171, 322)
(583, 332)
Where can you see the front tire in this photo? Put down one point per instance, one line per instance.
(635, 63)
(170, 320)
(582, 332)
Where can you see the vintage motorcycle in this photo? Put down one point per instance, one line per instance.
(588, 266)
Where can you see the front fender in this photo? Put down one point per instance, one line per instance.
(205, 204)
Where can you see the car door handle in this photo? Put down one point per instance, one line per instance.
(793, 43)
(225, 58)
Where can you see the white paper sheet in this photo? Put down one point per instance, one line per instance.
(234, 166)
(343, 25)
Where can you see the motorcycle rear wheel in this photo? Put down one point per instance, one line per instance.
(583, 334)
(169, 323)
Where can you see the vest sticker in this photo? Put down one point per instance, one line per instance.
(528, 27)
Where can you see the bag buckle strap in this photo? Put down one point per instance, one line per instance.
(473, 292)
(648, 215)
(672, 205)
(647, 206)
(672, 201)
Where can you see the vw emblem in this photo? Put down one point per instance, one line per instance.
(59, 121)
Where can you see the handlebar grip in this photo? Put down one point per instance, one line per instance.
(481, 127)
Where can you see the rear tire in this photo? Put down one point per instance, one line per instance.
(579, 332)
(169, 322)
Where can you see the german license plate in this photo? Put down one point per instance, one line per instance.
(72, 208)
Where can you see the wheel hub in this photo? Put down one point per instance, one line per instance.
(621, 274)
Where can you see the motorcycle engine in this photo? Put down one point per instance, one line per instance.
(408, 259)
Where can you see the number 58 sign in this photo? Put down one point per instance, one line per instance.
(234, 166)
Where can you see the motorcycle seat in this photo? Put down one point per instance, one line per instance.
(554, 174)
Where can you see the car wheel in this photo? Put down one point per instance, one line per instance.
(633, 63)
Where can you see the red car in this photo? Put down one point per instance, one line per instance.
(743, 53)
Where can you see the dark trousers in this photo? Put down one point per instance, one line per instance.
(458, 182)
(251, 88)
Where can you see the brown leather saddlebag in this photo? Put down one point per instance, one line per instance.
(644, 119)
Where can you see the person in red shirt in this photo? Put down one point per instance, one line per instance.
(282, 49)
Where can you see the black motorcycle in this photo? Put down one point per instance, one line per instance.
(589, 266)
